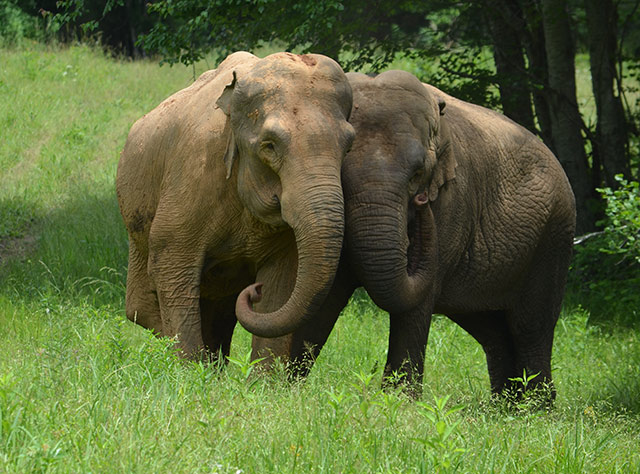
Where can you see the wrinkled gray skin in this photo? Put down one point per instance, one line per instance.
(454, 209)
(222, 183)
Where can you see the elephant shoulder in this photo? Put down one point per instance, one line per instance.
(186, 111)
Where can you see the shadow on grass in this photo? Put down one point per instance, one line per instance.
(79, 250)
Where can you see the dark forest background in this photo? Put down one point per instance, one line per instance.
(531, 78)
(516, 56)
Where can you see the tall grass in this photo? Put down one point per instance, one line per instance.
(84, 390)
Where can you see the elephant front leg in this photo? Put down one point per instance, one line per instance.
(218, 322)
(278, 276)
(177, 280)
(141, 300)
(408, 335)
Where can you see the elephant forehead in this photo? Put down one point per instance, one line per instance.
(392, 103)
(283, 78)
(384, 145)
(314, 64)
(287, 86)
(384, 116)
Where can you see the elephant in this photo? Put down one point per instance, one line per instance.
(225, 184)
(454, 209)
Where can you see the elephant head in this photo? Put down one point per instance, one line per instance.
(400, 160)
(288, 137)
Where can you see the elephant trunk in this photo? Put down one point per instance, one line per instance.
(317, 219)
(392, 245)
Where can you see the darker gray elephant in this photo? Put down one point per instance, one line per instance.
(222, 183)
(454, 209)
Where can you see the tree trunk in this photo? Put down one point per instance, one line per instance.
(533, 41)
(565, 117)
(611, 127)
(506, 23)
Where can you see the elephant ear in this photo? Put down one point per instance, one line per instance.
(444, 169)
(224, 103)
(230, 153)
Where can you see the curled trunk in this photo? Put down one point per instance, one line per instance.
(317, 219)
(392, 254)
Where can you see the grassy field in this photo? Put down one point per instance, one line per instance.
(84, 390)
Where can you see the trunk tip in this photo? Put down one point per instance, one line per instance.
(249, 296)
(255, 292)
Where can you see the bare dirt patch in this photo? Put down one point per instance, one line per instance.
(16, 247)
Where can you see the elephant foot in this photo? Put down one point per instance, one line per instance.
(403, 380)
(525, 394)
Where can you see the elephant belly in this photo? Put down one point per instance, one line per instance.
(482, 282)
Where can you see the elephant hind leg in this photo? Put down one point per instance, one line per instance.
(491, 330)
(218, 322)
(141, 300)
(533, 319)
(532, 327)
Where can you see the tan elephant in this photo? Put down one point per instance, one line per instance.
(449, 208)
(231, 181)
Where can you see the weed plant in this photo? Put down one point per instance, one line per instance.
(84, 390)
(605, 274)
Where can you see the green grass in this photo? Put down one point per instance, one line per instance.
(84, 390)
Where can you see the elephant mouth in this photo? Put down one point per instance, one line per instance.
(416, 235)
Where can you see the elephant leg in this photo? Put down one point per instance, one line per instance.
(408, 335)
(491, 330)
(533, 319)
(176, 274)
(218, 323)
(141, 300)
(532, 335)
(309, 340)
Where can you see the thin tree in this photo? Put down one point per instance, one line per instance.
(611, 127)
(506, 24)
(566, 121)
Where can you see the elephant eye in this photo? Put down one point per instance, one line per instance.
(269, 147)
(416, 181)
(268, 153)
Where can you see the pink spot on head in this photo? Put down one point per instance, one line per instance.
(308, 60)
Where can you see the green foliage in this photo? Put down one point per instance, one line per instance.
(58, 162)
(445, 453)
(360, 37)
(604, 274)
(187, 30)
(82, 389)
(15, 217)
(15, 25)
(466, 72)
(245, 364)
(524, 399)
(622, 223)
